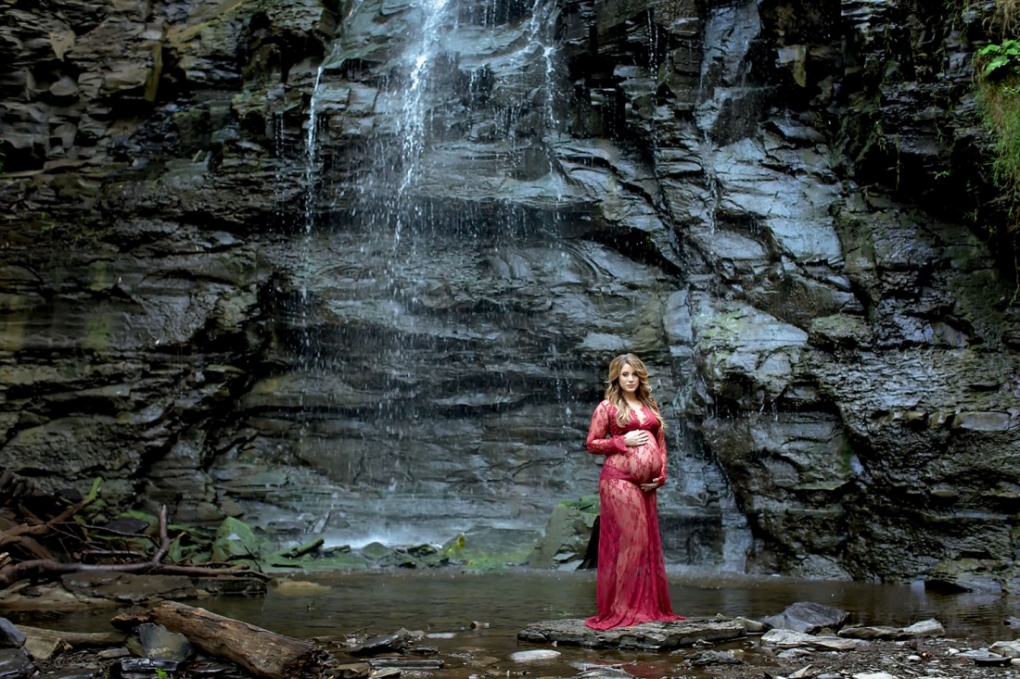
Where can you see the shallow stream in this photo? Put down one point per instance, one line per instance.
(476, 617)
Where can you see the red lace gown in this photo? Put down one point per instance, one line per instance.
(631, 585)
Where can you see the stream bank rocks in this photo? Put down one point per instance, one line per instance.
(727, 648)
(803, 624)
(743, 650)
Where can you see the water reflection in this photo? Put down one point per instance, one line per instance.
(487, 610)
(444, 601)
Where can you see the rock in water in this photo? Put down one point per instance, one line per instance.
(535, 655)
(808, 617)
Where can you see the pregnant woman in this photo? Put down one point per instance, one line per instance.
(627, 428)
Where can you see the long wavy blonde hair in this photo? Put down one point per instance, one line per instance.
(614, 394)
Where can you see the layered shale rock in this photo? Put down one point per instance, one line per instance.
(358, 269)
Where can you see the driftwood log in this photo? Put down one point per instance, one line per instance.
(260, 652)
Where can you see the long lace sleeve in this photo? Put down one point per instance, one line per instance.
(661, 440)
(597, 442)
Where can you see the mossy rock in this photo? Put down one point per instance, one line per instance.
(567, 534)
(968, 575)
(398, 559)
(376, 551)
(235, 538)
(343, 561)
(333, 561)
(485, 549)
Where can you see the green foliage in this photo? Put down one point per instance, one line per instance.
(94, 491)
(1003, 59)
(998, 99)
(1000, 110)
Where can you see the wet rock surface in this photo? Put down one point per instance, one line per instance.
(766, 203)
(662, 636)
(806, 616)
(750, 656)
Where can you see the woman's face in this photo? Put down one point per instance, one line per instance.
(629, 381)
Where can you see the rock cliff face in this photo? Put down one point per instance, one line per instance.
(358, 268)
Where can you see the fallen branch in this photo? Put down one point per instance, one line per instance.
(261, 653)
(13, 535)
(111, 554)
(40, 568)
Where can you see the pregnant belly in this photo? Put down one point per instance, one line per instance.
(640, 464)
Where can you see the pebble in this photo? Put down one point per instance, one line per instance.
(533, 655)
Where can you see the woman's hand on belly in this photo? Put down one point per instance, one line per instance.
(641, 463)
(636, 438)
(651, 485)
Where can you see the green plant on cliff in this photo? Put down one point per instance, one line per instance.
(999, 101)
(1002, 58)
(998, 98)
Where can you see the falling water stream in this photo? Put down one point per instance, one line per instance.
(392, 320)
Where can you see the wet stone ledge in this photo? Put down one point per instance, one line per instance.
(650, 636)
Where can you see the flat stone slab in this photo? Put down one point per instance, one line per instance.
(649, 636)
(787, 638)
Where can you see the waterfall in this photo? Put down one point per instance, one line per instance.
(414, 112)
(311, 154)
(540, 35)
(447, 348)
(378, 331)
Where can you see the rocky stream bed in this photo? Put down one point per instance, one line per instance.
(807, 640)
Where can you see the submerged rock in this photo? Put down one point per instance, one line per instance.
(711, 658)
(395, 642)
